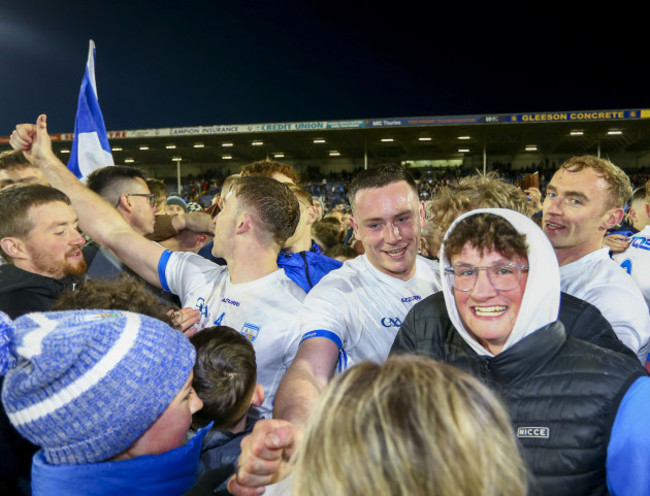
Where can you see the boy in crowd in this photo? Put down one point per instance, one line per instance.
(225, 378)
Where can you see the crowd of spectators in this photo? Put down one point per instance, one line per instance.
(386, 331)
(332, 188)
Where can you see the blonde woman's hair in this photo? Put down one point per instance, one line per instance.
(411, 426)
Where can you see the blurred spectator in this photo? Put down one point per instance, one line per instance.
(341, 252)
(16, 169)
(159, 190)
(176, 205)
(270, 168)
(326, 233)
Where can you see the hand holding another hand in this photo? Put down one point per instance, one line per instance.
(265, 456)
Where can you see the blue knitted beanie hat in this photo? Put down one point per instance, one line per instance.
(85, 385)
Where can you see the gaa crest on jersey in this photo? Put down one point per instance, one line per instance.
(250, 331)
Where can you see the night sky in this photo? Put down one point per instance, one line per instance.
(170, 64)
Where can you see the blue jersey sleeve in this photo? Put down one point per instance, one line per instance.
(322, 333)
(628, 452)
(162, 267)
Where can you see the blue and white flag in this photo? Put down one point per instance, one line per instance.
(90, 148)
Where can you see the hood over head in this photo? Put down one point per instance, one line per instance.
(541, 301)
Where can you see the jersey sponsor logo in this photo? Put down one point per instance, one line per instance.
(250, 331)
(534, 432)
(202, 306)
(411, 298)
(231, 302)
(640, 242)
(391, 322)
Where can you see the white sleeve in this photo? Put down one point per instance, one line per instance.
(627, 312)
(180, 272)
(326, 313)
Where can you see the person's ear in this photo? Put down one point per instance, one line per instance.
(124, 203)
(311, 215)
(355, 228)
(14, 248)
(612, 217)
(199, 239)
(258, 396)
(244, 223)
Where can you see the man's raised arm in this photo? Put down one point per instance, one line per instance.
(100, 220)
(305, 380)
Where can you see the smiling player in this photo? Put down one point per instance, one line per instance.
(354, 312)
(584, 199)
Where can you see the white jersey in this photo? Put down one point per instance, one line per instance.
(597, 279)
(361, 309)
(636, 261)
(264, 310)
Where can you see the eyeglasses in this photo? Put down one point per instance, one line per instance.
(503, 277)
(151, 196)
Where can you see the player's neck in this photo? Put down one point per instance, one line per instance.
(250, 265)
(566, 256)
(303, 244)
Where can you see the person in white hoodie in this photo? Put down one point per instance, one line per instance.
(577, 409)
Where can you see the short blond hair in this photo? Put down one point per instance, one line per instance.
(620, 188)
(411, 426)
(471, 192)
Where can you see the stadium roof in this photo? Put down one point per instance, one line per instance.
(605, 132)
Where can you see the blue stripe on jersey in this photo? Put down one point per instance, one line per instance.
(343, 360)
(322, 333)
(162, 265)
